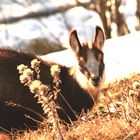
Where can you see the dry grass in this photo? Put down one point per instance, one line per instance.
(105, 122)
(115, 116)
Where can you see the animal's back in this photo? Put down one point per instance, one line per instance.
(12, 90)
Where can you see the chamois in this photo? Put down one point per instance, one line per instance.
(79, 84)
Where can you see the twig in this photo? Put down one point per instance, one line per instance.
(130, 135)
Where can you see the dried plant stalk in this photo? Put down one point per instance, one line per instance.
(44, 94)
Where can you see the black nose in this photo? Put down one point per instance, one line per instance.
(95, 81)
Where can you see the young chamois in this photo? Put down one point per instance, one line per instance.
(79, 84)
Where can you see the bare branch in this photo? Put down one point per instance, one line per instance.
(43, 13)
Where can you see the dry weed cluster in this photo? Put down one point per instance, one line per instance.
(31, 77)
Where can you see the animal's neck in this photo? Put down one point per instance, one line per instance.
(83, 81)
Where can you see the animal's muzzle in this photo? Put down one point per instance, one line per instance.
(95, 81)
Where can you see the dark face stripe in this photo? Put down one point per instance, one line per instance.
(92, 66)
(101, 69)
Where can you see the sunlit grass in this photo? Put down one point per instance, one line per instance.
(114, 117)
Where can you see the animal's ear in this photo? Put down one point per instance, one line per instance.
(74, 41)
(99, 38)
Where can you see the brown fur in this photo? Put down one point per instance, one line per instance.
(12, 90)
(75, 96)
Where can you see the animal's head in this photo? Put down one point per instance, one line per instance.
(90, 58)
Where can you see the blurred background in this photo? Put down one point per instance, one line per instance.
(42, 26)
